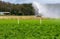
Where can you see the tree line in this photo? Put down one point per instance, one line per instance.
(16, 9)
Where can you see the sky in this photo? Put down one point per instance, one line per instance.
(30, 1)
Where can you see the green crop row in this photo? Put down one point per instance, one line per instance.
(30, 29)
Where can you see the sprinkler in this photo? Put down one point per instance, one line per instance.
(18, 20)
(38, 10)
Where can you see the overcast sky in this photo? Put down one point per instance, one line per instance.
(30, 1)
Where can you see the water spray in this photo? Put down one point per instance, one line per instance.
(38, 10)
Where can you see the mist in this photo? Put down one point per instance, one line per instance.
(47, 10)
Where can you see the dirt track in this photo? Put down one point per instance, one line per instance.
(19, 17)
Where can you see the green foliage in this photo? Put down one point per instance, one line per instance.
(30, 29)
(16, 9)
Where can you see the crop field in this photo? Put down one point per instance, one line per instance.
(30, 29)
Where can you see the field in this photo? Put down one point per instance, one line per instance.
(29, 29)
(20, 17)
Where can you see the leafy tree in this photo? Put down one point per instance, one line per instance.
(16, 9)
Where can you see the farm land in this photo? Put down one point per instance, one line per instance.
(29, 28)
